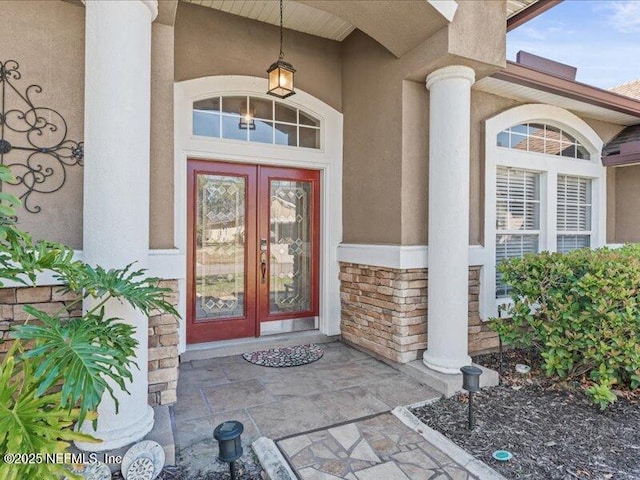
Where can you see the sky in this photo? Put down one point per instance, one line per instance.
(599, 37)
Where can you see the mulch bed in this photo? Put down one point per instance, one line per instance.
(553, 431)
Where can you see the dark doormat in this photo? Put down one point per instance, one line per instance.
(286, 356)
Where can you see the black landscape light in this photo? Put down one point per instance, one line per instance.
(229, 444)
(471, 383)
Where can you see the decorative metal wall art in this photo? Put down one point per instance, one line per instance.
(39, 133)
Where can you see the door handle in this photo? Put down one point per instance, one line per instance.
(263, 266)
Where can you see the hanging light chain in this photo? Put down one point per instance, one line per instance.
(281, 52)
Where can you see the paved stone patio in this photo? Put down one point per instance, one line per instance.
(344, 385)
(378, 448)
(330, 418)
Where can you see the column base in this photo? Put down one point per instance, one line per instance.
(444, 383)
(445, 365)
(112, 439)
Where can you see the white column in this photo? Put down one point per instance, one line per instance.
(116, 183)
(448, 297)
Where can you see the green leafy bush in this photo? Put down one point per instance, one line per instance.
(46, 390)
(581, 311)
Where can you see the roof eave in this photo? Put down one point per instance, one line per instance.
(622, 160)
(530, 77)
(530, 13)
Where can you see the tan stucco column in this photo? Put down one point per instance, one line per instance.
(116, 183)
(448, 251)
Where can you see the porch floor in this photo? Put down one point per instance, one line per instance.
(343, 386)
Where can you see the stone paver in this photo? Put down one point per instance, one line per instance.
(377, 448)
(343, 386)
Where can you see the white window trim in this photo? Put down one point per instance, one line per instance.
(327, 159)
(550, 166)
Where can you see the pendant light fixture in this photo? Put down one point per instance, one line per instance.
(281, 73)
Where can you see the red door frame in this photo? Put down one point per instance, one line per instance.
(245, 326)
(265, 175)
(257, 225)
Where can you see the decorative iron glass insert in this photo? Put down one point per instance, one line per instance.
(220, 247)
(290, 232)
(542, 138)
(255, 119)
(40, 133)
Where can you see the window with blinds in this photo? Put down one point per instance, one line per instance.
(574, 213)
(517, 217)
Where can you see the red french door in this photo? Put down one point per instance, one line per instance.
(253, 248)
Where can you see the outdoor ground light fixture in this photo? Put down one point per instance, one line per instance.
(471, 383)
(229, 444)
(281, 73)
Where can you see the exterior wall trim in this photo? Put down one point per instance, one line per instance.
(166, 264)
(550, 166)
(327, 159)
(397, 256)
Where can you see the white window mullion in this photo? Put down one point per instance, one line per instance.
(598, 211)
(550, 211)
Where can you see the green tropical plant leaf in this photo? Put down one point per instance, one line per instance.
(126, 284)
(32, 424)
(83, 352)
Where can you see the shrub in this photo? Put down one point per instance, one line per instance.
(581, 311)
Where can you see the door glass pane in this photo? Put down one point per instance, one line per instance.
(290, 236)
(220, 247)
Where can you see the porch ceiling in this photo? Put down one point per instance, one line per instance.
(516, 6)
(398, 25)
(297, 16)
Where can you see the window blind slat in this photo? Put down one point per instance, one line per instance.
(517, 209)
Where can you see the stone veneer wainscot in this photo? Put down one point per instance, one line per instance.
(384, 310)
(163, 331)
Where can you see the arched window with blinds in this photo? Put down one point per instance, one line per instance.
(544, 207)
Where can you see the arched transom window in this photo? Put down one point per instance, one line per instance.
(542, 138)
(255, 119)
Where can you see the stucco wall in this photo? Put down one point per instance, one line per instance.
(483, 107)
(415, 163)
(386, 110)
(210, 42)
(161, 195)
(627, 204)
(373, 171)
(372, 143)
(607, 131)
(47, 39)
